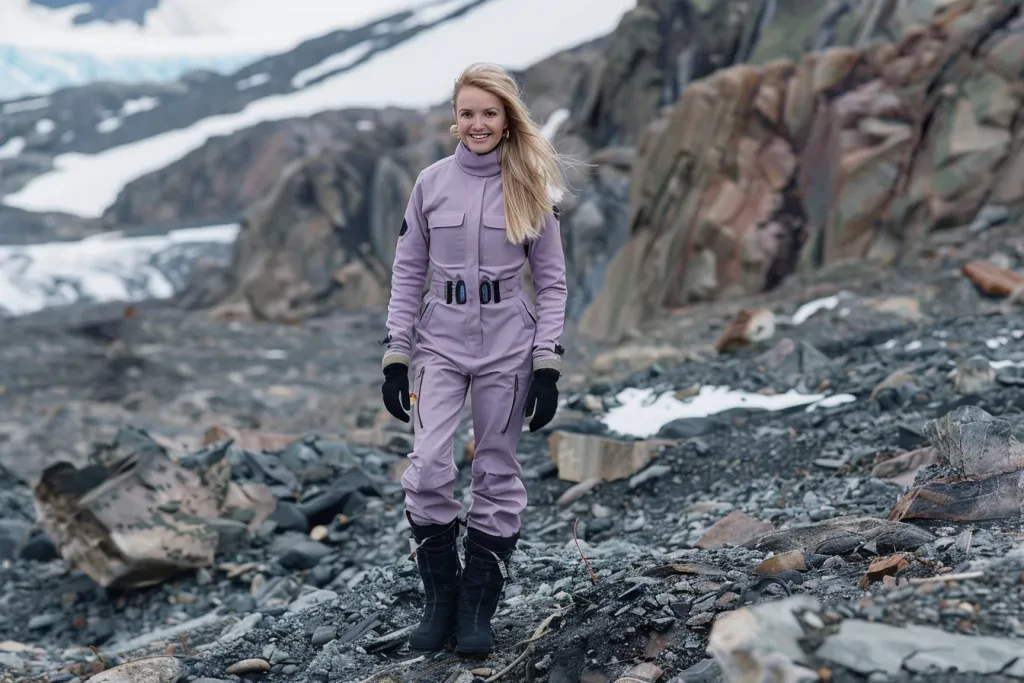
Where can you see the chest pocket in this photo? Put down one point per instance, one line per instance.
(447, 237)
(495, 249)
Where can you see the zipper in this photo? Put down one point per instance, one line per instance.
(419, 398)
(515, 395)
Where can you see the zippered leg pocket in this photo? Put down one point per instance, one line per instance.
(419, 397)
(515, 398)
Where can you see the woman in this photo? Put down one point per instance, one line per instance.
(476, 217)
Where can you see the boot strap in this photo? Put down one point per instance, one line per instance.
(414, 545)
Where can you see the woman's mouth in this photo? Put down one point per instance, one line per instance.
(479, 137)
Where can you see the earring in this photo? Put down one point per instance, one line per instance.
(454, 130)
(506, 134)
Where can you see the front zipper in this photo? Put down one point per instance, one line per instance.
(419, 398)
(515, 395)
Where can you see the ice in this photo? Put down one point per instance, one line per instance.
(106, 267)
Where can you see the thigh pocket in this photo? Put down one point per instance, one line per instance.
(447, 237)
(417, 407)
(495, 249)
(512, 405)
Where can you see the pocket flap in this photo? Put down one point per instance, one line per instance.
(445, 219)
(494, 220)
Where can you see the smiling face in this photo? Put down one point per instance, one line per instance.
(481, 119)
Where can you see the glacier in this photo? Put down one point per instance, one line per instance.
(43, 49)
(29, 72)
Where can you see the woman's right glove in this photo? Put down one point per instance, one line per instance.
(396, 390)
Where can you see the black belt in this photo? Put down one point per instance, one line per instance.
(489, 290)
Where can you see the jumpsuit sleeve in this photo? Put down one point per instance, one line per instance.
(407, 279)
(547, 267)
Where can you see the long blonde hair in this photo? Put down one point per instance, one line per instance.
(532, 176)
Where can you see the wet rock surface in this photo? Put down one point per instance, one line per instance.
(745, 509)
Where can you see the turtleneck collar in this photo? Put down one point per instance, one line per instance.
(478, 164)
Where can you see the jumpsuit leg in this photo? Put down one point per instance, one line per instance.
(429, 481)
(499, 496)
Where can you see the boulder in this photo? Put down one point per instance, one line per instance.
(759, 171)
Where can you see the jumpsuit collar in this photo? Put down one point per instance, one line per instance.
(478, 164)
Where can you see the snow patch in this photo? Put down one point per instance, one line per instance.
(254, 81)
(641, 413)
(554, 122)
(12, 148)
(336, 62)
(811, 307)
(45, 126)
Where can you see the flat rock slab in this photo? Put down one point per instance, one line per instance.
(736, 528)
(843, 534)
(151, 670)
(867, 647)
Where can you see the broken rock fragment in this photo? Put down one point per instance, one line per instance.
(973, 442)
(983, 462)
(841, 535)
(869, 647)
(991, 279)
(580, 457)
(761, 643)
(884, 566)
(133, 516)
(975, 376)
(788, 640)
(146, 670)
(736, 528)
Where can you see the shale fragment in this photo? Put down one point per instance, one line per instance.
(133, 516)
(983, 475)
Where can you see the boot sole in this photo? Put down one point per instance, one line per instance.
(448, 644)
(474, 651)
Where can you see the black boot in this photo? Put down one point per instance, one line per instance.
(438, 562)
(483, 580)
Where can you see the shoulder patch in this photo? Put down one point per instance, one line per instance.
(554, 210)
(404, 229)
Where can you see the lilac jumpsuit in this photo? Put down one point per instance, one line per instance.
(475, 330)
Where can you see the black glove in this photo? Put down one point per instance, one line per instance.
(542, 399)
(396, 390)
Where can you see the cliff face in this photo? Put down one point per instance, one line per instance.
(759, 171)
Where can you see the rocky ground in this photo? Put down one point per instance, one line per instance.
(324, 589)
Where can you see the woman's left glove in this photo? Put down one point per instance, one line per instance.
(542, 399)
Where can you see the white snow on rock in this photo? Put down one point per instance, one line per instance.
(416, 73)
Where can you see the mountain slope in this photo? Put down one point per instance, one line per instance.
(392, 70)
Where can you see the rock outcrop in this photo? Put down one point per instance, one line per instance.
(760, 171)
(319, 240)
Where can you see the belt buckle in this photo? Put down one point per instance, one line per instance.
(485, 292)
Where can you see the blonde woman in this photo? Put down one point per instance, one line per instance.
(476, 217)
